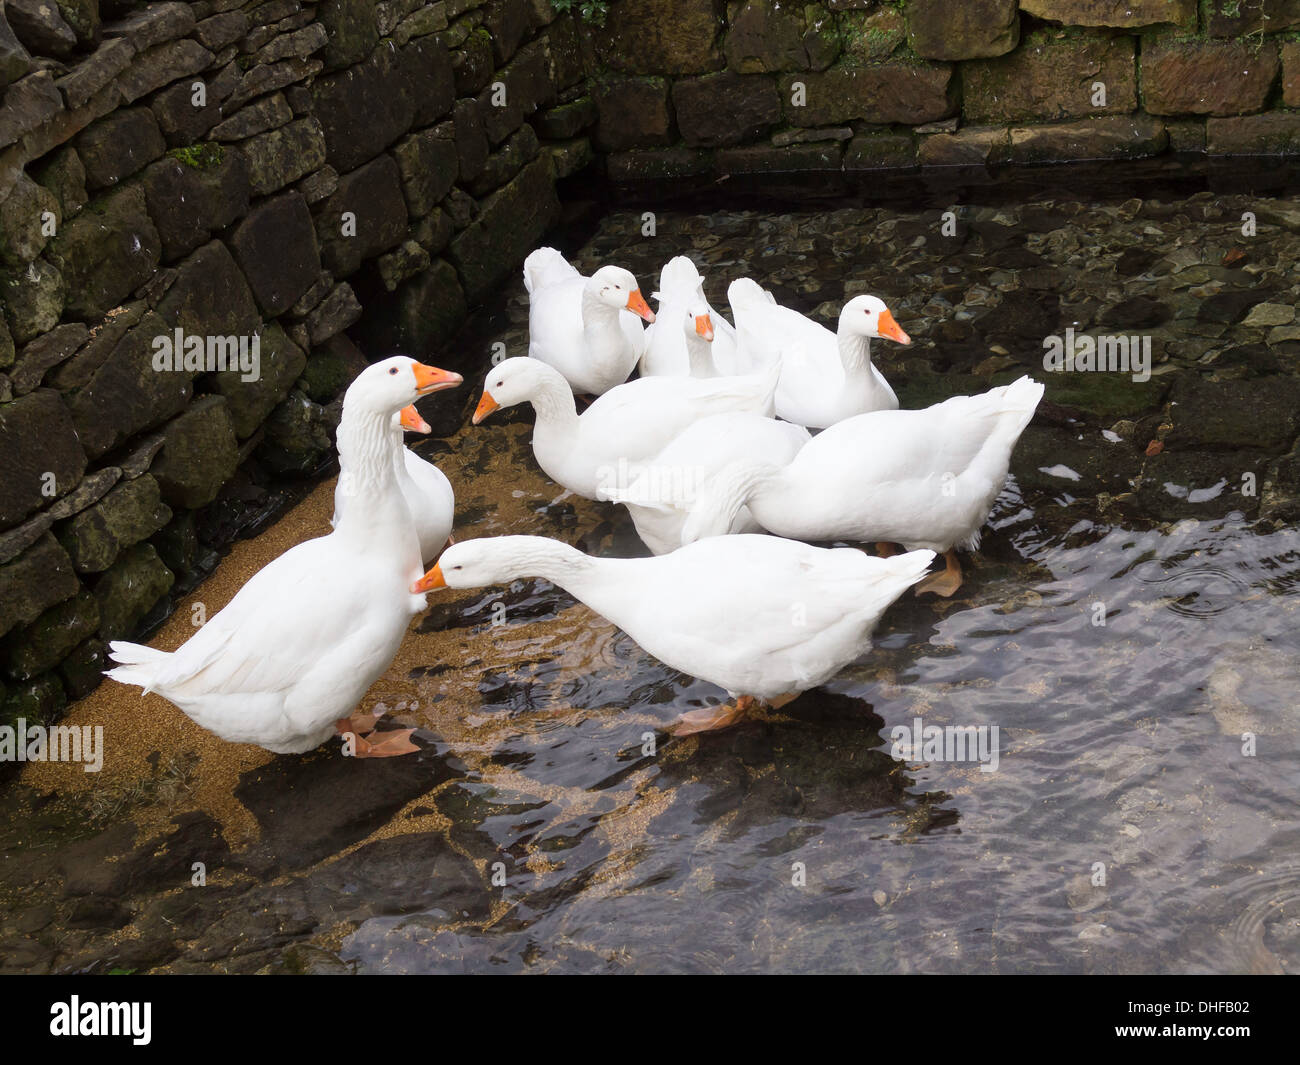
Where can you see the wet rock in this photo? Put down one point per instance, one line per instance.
(330, 368)
(41, 27)
(7, 349)
(263, 79)
(509, 225)
(1137, 312)
(217, 31)
(976, 29)
(364, 109)
(65, 178)
(908, 93)
(82, 669)
(34, 581)
(275, 246)
(894, 151)
(44, 353)
(426, 312)
(766, 37)
(162, 64)
(315, 187)
(210, 297)
(1179, 484)
(1106, 13)
(39, 701)
(269, 112)
(118, 145)
(33, 299)
(28, 102)
(527, 87)
(14, 58)
(191, 197)
(44, 643)
(366, 215)
(1260, 413)
(972, 146)
(334, 314)
(724, 108)
(182, 124)
(152, 25)
(125, 516)
(23, 221)
(632, 112)
(502, 165)
(663, 37)
(304, 959)
(297, 44)
(352, 31)
(93, 488)
(1230, 306)
(1107, 137)
(39, 453)
(872, 35)
(566, 120)
(106, 252)
(1291, 73)
(1047, 78)
(472, 64)
(104, 338)
(284, 155)
(129, 590)
(471, 140)
(1272, 133)
(427, 162)
(1207, 77)
(658, 164)
(1257, 17)
(126, 394)
(400, 264)
(1270, 314)
(199, 454)
(250, 402)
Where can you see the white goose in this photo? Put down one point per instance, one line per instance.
(296, 648)
(425, 488)
(585, 327)
(825, 377)
(592, 454)
(721, 610)
(664, 488)
(673, 353)
(920, 478)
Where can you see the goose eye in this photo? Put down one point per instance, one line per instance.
(392, 371)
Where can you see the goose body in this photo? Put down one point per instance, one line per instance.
(665, 487)
(674, 352)
(306, 636)
(721, 610)
(592, 453)
(427, 492)
(925, 479)
(584, 327)
(825, 377)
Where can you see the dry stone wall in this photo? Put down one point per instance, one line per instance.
(698, 89)
(196, 201)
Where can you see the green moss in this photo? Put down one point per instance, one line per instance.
(592, 12)
(199, 156)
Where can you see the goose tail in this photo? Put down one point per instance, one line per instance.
(746, 292)
(546, 266)
(136, 664)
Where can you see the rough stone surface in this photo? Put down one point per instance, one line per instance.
(23, 229)
(1119, 13)
(198, 455)
(52, 636)
(106, 252)
(724, 109)
(1048, 79)
(129, 590)
(663, 37)
(1109, 137)
(210, 296)
(368, 204)
(908, 93)
(632, 112)
(44, 353)
(39, 453)
(118, 145)
(428, 164)
(125, 516)
(189, 201)
(1272, 133)
(34, 581)
(284, 155)
(972, 29)
(1207, 77)
(33, 299)
(249, 403)
(364, 109)
(275, 246)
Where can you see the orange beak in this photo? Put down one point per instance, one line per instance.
(430, 581)
(486, 406)
(704, 326)
(431, 379)
(412, 422)
(637, 305)
(887, 327)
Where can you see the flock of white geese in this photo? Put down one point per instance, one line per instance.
(709, 450)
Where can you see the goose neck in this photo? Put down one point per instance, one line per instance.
(855, 351)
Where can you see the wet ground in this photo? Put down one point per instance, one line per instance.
(1131, 625)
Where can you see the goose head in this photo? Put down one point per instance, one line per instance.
(469, 564)
(867, 316)
(409, 419)
(696, 320)
(615, 287)
(387, 386)
(517, 380)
